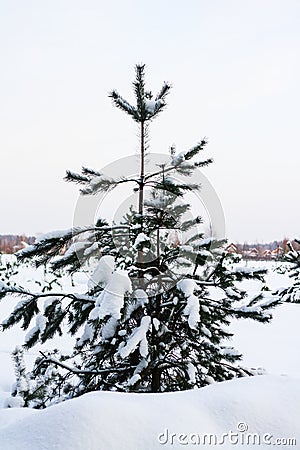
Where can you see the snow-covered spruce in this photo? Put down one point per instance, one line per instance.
(292, 258)
(156, 308)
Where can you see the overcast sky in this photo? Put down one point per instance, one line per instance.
(235, 69)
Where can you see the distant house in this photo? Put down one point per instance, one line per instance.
(232, 248)
(267, 254)
(277, 253)
(252, 254)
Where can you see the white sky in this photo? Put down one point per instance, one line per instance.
(235, 70)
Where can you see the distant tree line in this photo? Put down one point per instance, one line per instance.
(10, 243)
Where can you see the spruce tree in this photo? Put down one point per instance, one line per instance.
(291, 294)
(156, 310)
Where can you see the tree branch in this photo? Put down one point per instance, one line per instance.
(83, 372)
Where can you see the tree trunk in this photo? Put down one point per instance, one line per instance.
(155, 382)
(141, 195)
(142, 170)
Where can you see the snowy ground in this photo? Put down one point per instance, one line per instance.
(129, 422)
(253, 409)
(274, 346)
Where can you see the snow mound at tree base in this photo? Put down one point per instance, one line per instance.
(267, 405)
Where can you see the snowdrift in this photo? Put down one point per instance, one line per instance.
(266, 405)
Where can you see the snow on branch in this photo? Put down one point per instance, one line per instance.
(100, 183)
(137, 338)
(76, 177)
(51, 244)
(123, 104)
(111, 300)
(186, 155)
(161, 95)
(146, 108)
(240, 273)
(192, 309)
(55, 361)
(33, 335)
(103, 272)
(257, 306)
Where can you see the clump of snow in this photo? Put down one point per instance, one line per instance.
(150, 106)
(134, 379)
(192, 309)
(187, 286)
(25, 250)
(109, 329)
(153, 105)
(111, 300)
(186, 248)
(48, 301)
(140, 239)
(140, 300)
(156, 323)
(192, 373)
(40, 325)
(179, 158)
(159, 202)
(230, 351)
(138, 337)
(57, 234)
(205, 331)
(103, 272)
(141, 297)
(209, 379)
(233, 293)
(87, 334)
(75, 247)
